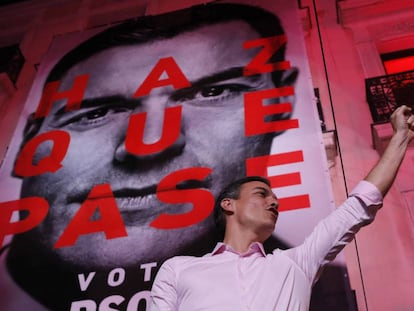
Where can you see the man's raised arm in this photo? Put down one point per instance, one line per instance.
(383, 173)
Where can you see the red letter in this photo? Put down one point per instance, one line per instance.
(37, 208)
(170, 132)
(203, 200)
(255, 112)
(258, 166)
(24, 166)
(50, 94)
(175, 77)
(259, 64)
(100, 198)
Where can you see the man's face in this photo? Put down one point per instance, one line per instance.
(211, 135)
(256, 209)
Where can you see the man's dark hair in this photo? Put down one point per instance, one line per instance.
(164, 26)
(232, 191)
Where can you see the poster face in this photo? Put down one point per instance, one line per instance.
(130, 132)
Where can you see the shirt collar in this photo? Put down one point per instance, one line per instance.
(255, 247)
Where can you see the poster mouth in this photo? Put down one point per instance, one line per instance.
(135, 203)
(129, 199)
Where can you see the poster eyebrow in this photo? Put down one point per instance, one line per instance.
(230, 73)
(227, 74)
(96, 102)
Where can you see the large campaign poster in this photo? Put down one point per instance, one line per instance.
(129, 133)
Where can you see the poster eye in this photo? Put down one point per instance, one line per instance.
(95, 114)
(212, 91)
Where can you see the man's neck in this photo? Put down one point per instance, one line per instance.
(240, 242)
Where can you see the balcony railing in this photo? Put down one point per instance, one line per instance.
(385, 93)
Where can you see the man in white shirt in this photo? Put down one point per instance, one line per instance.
(238, 275)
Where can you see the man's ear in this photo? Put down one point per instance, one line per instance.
(30, 130)
(227, 206)
(289, 76)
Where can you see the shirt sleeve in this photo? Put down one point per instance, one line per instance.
(163, 292)
(334, 232)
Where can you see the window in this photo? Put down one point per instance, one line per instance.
(398, 61)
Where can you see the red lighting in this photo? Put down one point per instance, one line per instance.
(399, 64)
